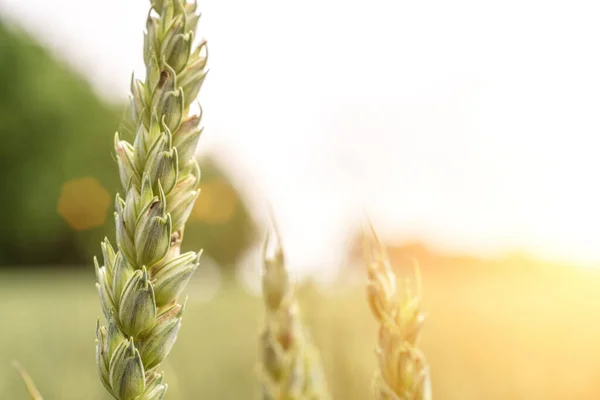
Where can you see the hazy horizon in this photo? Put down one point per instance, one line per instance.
(469, 126)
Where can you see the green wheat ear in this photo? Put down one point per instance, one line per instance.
(142, 278)
(403, 372)
(290, 368)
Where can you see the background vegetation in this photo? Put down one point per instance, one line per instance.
(487, 336)
(57, 172)
(496, 329)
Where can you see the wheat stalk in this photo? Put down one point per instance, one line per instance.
(290, 368)
(403, 372)
(139, 283)
(34, 394)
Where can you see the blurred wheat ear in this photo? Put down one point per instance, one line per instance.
(403, 372)
(34, 394)
(141, 279)
(290, 367)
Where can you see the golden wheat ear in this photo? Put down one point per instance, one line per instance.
(34, 394)
(403, 371)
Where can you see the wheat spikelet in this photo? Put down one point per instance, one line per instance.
(290, 368)
(142, 278)
(403, 372)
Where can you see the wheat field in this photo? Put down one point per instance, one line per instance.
(488, 335)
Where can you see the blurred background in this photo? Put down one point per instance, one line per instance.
(467, 131)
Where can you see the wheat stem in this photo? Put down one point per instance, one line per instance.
(34, 394)
(403, 372)
(140, 281)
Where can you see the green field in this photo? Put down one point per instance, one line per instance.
(487, 336)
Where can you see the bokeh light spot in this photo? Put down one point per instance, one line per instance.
(83, 203)
(216, 204)
(206, 281)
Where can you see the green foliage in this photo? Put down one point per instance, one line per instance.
(488, 336)
(53, 129)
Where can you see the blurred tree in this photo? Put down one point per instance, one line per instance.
(220, 222)
(57, 167)
(54, 128)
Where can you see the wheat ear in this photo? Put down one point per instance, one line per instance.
(139, 283)
(290, 368)
(403, 372)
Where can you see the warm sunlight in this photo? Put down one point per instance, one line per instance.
(479, 142)
(363, 199)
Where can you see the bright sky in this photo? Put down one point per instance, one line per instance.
(472, 125)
